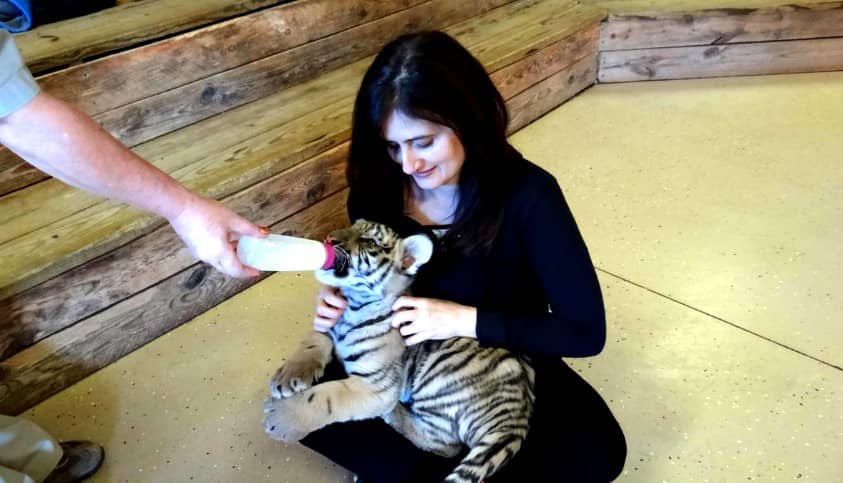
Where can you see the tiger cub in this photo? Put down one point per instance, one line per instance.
(441, 395)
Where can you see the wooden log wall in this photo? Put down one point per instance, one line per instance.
(722, 42)
(102, 279)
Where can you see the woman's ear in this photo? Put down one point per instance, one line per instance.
(417, 251)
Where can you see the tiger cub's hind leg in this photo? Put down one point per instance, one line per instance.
(420, 432)
(486, 456)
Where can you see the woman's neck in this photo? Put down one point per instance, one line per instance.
(433, 207)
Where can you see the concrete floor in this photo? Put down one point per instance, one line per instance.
(712, 210)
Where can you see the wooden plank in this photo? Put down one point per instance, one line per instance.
(514, 31)
(95, 286)
(545, 96)
(103, 334)
(518, 77)
(785, 57)
(74, 239)
(30, 209)
(715, 27)
(58, 361)
(53, 249)
(39, 312)
(176, 61)
(44, 368)
(148, 111)
(162, 113)
(70, 41)
(15, 173)
(648, 7)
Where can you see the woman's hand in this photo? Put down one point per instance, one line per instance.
(330, 305)
(421, 319)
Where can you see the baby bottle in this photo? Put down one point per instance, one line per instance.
(282, 253)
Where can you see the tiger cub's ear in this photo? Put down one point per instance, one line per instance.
(417, 251)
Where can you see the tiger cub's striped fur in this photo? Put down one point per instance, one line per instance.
(441, 395)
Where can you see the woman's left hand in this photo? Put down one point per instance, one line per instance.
(421, 319)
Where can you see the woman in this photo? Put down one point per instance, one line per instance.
(429, 153)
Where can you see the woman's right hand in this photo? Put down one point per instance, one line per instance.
(330, 305)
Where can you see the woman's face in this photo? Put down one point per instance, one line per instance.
(431, 153)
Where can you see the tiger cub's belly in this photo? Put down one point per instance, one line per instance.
(458, 385)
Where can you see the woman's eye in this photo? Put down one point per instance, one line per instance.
(424, 143)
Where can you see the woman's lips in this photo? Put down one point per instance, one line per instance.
(424, 174)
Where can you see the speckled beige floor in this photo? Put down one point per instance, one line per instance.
(712, 210)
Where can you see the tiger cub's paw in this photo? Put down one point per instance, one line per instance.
(294, 377)
(285, 420)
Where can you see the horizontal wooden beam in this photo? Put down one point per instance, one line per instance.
(762, 58)
(38, 312)
(144, 93)
(518, 77)
(86, 290)
(57, 362)
(216, 171)
(104, 291)
(159, 114)
(548, 94)
(70, 41)
(723, 26)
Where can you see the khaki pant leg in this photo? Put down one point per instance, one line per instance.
(27, 449)
(11, 476)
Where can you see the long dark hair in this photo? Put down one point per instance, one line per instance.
(429, 75)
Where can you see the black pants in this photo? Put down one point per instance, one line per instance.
(573, 438)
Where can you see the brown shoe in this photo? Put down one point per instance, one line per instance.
(80, 460)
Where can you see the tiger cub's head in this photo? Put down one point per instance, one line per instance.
(373, 260)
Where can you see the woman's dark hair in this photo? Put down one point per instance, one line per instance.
(430, 76)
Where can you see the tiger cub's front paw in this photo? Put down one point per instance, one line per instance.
(295, 376)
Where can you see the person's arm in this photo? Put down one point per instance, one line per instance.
(67, 144)
(576, 324)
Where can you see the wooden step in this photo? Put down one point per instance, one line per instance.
(558, 61)
(641, 41)
(52, 228)
(138, 94)
(70, 41)
(48, 212)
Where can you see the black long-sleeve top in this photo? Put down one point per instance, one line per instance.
(536, 291)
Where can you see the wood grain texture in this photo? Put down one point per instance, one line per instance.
(57, 362)
(516, 78)
(548, 94)
(728, 26)
(140, 304)
(15, 173)
(37, 313)
(763, 58)
(70, 41)
(53, 249)
(170, 110)
(38, 206)
(79, 293)
(72, 239)
(129, 81)
(172, 84)
(117, 80)
(516, 30)
(648, 7)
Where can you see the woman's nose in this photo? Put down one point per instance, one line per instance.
(409, 162)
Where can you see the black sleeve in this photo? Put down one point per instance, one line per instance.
(576, 323)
